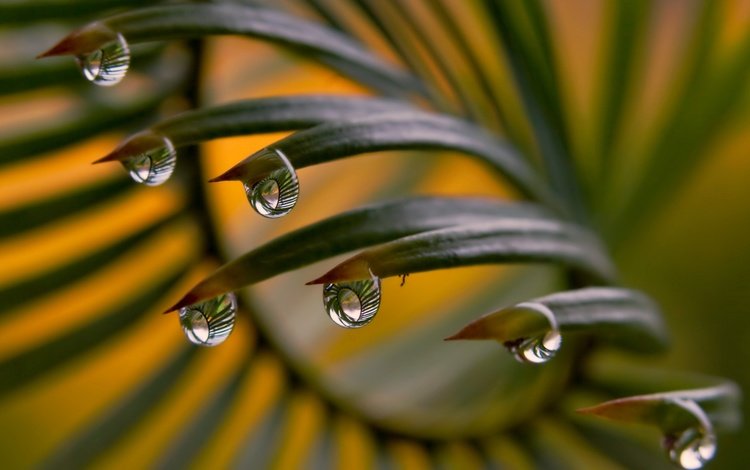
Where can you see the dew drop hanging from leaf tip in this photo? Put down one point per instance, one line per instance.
(352, 304)
(275, 191)
(209, 323)
(108, 65)
(155, 164)
(539, 348)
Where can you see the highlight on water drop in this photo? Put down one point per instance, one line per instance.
(155, 160)
(109, 64)
(209, 323)
(274, 191)
(692, 448)
(540, 348)
(352, 304)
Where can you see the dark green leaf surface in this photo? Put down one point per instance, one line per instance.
(613, 315)
(265, 115)
(349, 231)
(198, 20)
(667, 411)
(500, 241)
(403, 131)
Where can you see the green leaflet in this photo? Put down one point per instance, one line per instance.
(508, 240)
(261, 115)
(624, 317)
(349, 231)
(37, 74)
(198, 20)
(530, 59)
(402, 131)
(711, 406)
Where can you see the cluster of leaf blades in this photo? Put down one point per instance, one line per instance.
(559, 225)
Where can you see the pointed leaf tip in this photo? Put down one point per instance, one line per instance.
(64, 47)
(320, 280)
(217, 179)
(473, 330)
(188, 299)
(110, 157)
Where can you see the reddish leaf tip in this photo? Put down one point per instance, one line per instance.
(222, 177)
(320, 280)
(110, 157)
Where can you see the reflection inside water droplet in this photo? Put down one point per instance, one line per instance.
(108, 65)
(154, 165)
(209, 323)
(275, 191)
(692, 448)
(352, 304)
(539, 348)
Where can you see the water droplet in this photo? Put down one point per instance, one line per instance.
(692, 448)
(537, 349)
(275, 191)
(352, 304)
(156, 161)
(107, 65)
(209, 323)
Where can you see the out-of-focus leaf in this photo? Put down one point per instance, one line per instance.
(198, 20)
(117, 421)
(349, 231)
(24, 291)
(185, 446)
(458, 38)
(34, 215)
(625, 39)
(406, 37)
(556, 446)
(403, 131)
(22, 368)
(510, 240)
(530, 59)
(22, 11)
(621, 316)
(694, 121)
(90, 120)
(15, 78)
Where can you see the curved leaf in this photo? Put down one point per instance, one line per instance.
(349, 231)
(197, 20)
(262, 115)
(500, 241)
(33, 75)
(667, 411)
(394, 131)
(621, 316)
